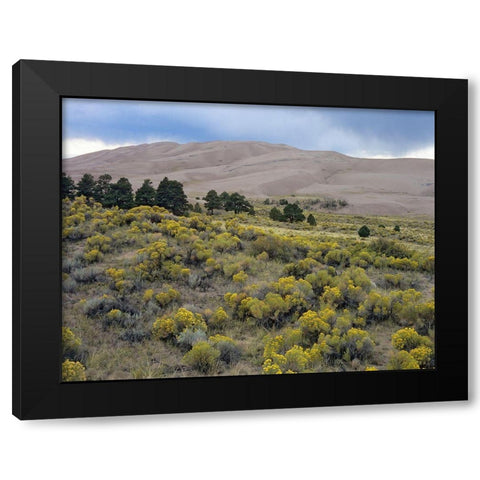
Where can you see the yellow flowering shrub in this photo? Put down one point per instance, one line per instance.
(115, 274)
(296, 359)
(332, 296)
(425, 316)
(281, 355)
(212, 266)
(362, 259)
(292, 336)
(273, 345)
(271, 311)
(336, 257)
(70, 342)
(319, 280)
(423, 355)
(270, 368)
(406, 308)
(165, 298)
(93, 256)
(218, 318)
(313, 323)
(345, 321)
(148, 295)
(402, 263)
(393, 279)
(151, 259)
(114, 316)
(99, 242)
(226, 242)
(167, 327)
(263, 257)
(163, 328)
(428, 265)
(408, 339)
(402, 360)
(377, 307)
(356, 343)
(73, 372)
(233, 300)
(303, 267)
(73, 220)
(214, 339)
(240, 277)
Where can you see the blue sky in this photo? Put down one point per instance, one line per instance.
(91, 125)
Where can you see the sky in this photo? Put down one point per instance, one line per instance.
(90, 125)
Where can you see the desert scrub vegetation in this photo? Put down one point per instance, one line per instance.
(165, 290)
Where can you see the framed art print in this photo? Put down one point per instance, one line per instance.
(191, 239)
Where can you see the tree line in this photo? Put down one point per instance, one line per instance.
(169, 194)
(230, 202)
(291, 213)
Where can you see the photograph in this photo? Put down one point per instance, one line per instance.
(209, 239)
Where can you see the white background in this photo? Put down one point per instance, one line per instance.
(412, 38)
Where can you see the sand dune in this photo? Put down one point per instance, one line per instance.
(399, 186)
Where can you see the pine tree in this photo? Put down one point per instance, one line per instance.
(276, 215)
(146, 194)
(170, 195)
(120, 194)
(86, 186)
(68, 187)
(311, 220)
(212, 201)
(224, 198)
(293, 213)
(197, 208)
(364, 231)
(102, 188)
(238, 203)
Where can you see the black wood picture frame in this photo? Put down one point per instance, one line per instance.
(38, 87)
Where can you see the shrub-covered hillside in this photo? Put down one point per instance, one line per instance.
(148, 293)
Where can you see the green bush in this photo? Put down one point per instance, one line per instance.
(402, 360)
(364, 231)
(356, 343)
(390, 248)
(229, 351)
(275, 246)
(202, 357)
